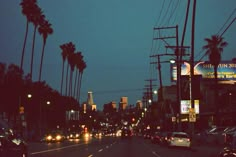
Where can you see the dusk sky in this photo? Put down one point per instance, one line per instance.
(115, 38)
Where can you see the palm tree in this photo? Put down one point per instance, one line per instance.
(214, 47)
(44, 29)
(63, 54)
(82, 66)
(72, 62)
(36, 18)
(27, 10)
(70, 49)
(78, 60)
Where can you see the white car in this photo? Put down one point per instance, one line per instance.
(180, 139)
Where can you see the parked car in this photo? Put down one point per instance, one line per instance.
(164, 138)
(179, 139)
(228, 136)
(230, 149)
(156, 137)
(11, 144)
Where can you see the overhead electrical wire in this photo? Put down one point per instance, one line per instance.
(174, 7)
(158, 19)
(201, 51)
(167, 10)
(226, 21)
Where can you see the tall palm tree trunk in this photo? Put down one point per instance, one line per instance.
(70, 83)
(78, 86)
(75, 83)
(80, 81)
(23, 50)
(216, 96)
(32, 54)
(41, 62)
(62, 76)
(67, 71)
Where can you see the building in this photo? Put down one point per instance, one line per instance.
(207, 106)
(90, 103)
(123, 103)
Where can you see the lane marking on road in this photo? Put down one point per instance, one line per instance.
(90, 155)
(56, 149)
(100, 150)
(154, 153)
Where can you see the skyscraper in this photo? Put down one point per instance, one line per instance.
(90, 101)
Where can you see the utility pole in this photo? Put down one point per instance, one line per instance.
(192, 66)
(178, 53)
(159, 71)
(177, 45)
(176, 36)
(149, 88)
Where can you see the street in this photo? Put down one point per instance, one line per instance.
(116, 147)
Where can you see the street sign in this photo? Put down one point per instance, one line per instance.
(192, 115)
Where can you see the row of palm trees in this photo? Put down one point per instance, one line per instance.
(75, 63)
(34, 15)
(74, 60)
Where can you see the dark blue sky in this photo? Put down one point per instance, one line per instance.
(115, 38)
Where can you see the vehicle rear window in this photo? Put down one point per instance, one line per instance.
(180, 136)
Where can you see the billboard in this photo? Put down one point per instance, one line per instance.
(185, 105)
(226, 70)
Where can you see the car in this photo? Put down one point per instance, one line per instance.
(164, 138)
(179, 139)
(156, 137)
(228, 152)
(54, 136)
(230, 149)
(11, 144)
(228, 136)
(126, 133)
(73, 135)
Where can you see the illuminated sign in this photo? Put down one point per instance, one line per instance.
(226, 70)
(185, 105)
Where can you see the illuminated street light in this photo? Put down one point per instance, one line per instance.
(29, 96)
(155, 92)
(172, 61)
(150, 101)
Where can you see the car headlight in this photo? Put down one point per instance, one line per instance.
(49, 137)
(58, 137)
(86, 135)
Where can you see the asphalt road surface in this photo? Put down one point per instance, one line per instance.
(116, 147)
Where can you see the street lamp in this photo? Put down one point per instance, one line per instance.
(29, 96)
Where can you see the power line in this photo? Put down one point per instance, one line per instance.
(228, 27)
(163, 3)
(220, 30)
(164, 17)
(117, 91)
(172, 12)
(227, 20)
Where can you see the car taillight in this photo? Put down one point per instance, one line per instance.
(188, 139)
